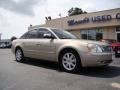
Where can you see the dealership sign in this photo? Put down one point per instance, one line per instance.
(102, 18)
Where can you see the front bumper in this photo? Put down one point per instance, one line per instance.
(95, 59)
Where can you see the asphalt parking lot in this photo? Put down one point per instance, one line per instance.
(42, 75)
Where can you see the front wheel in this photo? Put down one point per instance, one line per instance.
(19, 55)
(70, 61)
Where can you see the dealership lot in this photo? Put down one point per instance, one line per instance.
(41, 75)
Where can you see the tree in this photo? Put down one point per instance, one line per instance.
(75, 11)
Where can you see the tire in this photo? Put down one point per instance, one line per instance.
(69, 61)
(19, 55)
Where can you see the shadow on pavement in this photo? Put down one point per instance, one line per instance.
(42, 63)
(101, 72)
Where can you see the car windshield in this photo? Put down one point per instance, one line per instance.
(63, 34)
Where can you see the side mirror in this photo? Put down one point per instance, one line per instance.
(50, 36)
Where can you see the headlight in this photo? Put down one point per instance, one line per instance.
(94, 48)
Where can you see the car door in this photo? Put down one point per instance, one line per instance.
(46, 47)
(29, 41)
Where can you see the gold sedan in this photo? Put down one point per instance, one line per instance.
(62, 47)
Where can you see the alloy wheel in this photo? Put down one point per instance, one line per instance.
(69, 61)
(19, 55)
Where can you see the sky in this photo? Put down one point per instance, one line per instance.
(17, 15)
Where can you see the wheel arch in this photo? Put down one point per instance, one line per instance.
(18, 47)
(69, 48)
(22, 57)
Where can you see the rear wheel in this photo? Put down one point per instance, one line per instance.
(70, 61)
(19, 55)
